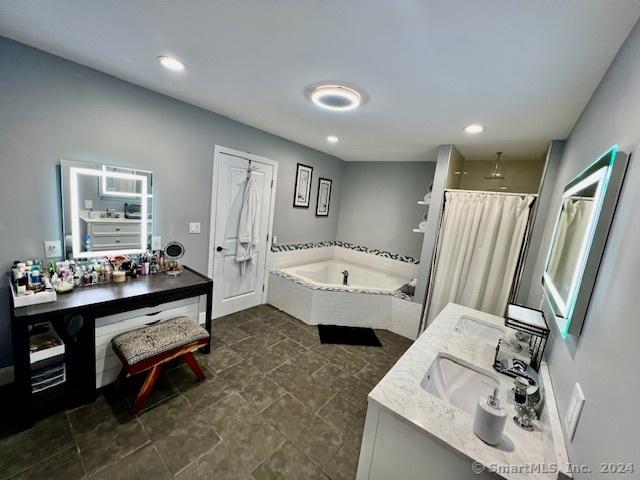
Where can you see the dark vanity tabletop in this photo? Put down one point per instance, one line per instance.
(102, 295)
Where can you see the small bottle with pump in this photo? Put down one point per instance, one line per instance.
(490, 418)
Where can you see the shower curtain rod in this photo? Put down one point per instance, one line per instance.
(492, 193)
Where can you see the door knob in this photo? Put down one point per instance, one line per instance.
(219, 249)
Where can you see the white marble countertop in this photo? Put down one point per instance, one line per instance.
(400, 392)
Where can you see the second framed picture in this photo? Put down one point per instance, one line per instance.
(324, 197)
(302, 189)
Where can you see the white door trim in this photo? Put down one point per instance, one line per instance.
(218, 151)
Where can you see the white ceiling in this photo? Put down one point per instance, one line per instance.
(525, 69)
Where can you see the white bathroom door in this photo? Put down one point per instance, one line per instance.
(234, 290)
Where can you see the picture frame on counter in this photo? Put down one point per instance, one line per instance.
(324, 197)
(302, 189)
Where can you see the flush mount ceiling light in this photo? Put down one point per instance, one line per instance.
(474, 128)
(336, 97)
(171, 63)
(332, 139)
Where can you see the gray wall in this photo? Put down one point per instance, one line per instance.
(379, 204)
(542, 209)
(606, 355)
(51, 108)
(521, 176)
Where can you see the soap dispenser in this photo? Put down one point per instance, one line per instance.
(490, 418)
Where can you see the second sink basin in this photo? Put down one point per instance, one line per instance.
(456, 383)
(472, 327)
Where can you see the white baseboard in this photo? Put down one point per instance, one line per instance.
(6, 375)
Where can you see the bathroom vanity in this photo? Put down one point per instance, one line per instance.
(419, 420)
(84, 321)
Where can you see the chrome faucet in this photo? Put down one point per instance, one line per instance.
(345, 277)
(529, 395)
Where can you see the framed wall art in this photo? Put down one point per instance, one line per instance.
(324, 197)
(302, 190)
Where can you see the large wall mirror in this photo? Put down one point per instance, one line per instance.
(579, 237)
(107, 210)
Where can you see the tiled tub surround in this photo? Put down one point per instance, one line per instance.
(349, 246)
(328, 273)
(302, 284)
(412, 434)
(283, 256)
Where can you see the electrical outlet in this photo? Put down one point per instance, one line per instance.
(275, 240)
(52, 249)
(194, 227)
(156, 243)
(88, 204)
(572, 415)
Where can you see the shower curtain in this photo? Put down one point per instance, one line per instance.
(478, 248)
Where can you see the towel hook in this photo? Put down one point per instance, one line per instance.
(250, 169)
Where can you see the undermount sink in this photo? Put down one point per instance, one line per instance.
(472, 327)
(456, 383)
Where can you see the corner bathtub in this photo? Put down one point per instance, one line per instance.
(329, 274)
(314, 294)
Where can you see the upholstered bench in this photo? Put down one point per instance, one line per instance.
(149, 348)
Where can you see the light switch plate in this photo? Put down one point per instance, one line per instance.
(572, 415)
(88, 204)
(52, 249)
(156, 243)
(194, 227)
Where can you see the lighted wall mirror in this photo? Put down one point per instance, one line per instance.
(579, 238)
(105, 211)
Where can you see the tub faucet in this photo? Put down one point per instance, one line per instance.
(345, 277)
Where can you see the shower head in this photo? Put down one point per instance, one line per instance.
(496, 175)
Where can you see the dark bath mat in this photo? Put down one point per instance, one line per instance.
(348, 335)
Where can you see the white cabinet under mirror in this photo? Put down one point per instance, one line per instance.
(579, 238)
(107, 210)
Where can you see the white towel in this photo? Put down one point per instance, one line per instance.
(248, 225)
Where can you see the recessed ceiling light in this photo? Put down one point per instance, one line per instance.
(171, 63)
(336, 97)
(332, 139)
(474, 128)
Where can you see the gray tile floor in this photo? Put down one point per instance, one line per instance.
(276, 404)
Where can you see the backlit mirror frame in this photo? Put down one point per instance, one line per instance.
(106, 192)
(607, 173)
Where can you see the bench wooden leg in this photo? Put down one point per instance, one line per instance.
(146, 388)
(193, 363)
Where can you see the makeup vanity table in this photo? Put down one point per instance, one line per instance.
(85, 320)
